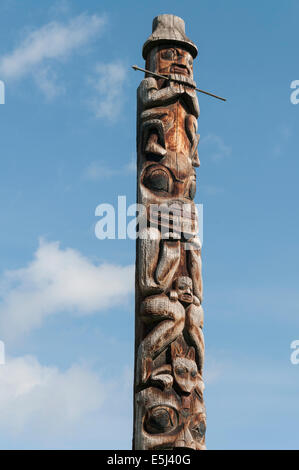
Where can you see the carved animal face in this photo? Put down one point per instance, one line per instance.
(163, 419)
(185, 369)
(168, 424)
(185, 373)
(174, 60)
(184, 287)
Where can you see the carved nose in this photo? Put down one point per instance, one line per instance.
(189, 386)
(185, 439)
(181, 63)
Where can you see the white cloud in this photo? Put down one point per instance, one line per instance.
(43, 407)
(58, 280)
(214, 146)
(46, 80)
(53, 41)
(108, 82)
(98, 170)
(44, 399)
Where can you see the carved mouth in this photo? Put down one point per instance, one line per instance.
(180, 70)
(187, 297)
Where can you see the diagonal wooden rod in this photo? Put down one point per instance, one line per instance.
(177, 81)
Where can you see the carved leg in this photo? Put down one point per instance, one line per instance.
(149, 246)
(168, 263)
(194, 325)
(170, 317)
(191, 128)
(194, 265)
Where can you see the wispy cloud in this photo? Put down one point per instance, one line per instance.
(214, 147)
(46, 407)
(46, 80)
(108, 86)
(39, 50)
(45, 399)
(56, 281)
(99, 170)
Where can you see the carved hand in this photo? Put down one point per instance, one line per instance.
(178, 88)
(173, 295)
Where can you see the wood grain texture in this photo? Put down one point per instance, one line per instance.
(169, 410)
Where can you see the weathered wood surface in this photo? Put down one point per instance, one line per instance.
(169, 409)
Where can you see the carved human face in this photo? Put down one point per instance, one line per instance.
(167, 423)
(184, 288)
(174, 60)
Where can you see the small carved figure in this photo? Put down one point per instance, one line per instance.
(167, 106)
(162, 258)
(168, 315)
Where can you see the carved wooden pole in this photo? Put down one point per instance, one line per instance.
(169, 411)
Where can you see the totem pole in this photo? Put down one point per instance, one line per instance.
(169, 410)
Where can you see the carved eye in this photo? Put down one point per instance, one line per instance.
(194, 373)
(158, 180)
(180, 371)
(168, 54)
(199, 429)
(161, 419)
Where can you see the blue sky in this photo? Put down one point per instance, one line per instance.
(68, 144)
